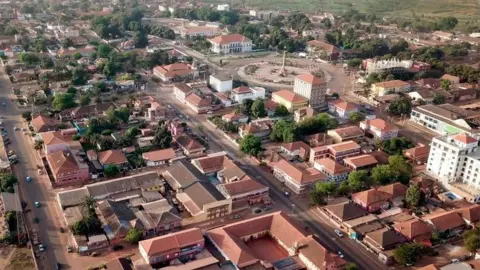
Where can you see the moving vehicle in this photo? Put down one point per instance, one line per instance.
(12, 157)
(286, 193)
(16, 128)
(41, 247)
(11, 153)
(340, 254)
(29, 179)
(35, 237)
(37, 204)
(338, 233)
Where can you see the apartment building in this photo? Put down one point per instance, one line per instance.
(68, 167)
(312, 88)
(456, 159)
(221, 83)
(335, 171)
(341, 108)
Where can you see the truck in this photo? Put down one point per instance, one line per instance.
(35, 237)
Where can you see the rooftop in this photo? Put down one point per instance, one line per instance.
(289, 96)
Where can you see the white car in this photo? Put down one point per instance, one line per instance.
(16, 128)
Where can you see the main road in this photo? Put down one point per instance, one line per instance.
(353, 251)
(38, 190)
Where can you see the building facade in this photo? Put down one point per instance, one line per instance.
(231, 43)
(312, 88)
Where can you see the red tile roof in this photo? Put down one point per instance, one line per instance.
(464, 138)
(240, 187)
(289, 96)
(371, 196)
(172, 242)
(332, 167)
(413, 228)
(301, 176)
(343, 105)
(159, 155)
(62, 162)
(381, 125)
(53, 138)
(227, 39)
(310, 79)
(361, 161)
(112, 157)
(323, 45)
(395, 189)
(446, 220)
(390, 84)
(470, 213)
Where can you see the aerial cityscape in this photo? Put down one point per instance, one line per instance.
(282, 135)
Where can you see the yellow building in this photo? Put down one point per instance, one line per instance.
(390, 87)
(289, 99)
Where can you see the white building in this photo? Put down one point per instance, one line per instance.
(221, 83)
(223, 7)
(264, 14)
(231, 43)
(379, 129)
(393, 65)
(455, 159)
(444, 119)
(312, 88)
(241, 93)
(198, 31)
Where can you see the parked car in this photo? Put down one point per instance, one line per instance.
(37, 204)
(29, 179)
(338, 233)
(41, 247)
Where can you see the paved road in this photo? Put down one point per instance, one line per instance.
(38, 190)
(217, 142)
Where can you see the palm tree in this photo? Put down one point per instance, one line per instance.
(88, 203)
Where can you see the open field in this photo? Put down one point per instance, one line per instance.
(21, 259)
(462, 9)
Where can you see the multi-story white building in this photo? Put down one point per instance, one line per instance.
(393, 65)
(312, 88)
(198, 31)
(445, 119)
(241, 93)
(231, 43)
(455, 160)
(379, 129)
(221, 83)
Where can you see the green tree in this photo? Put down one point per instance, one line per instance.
(283, 131)
(111, 171)
(29, 59)
(84, 100)
(79, 76)
(104, 50)
(258, 108)
(413, 196)
(401, 106)
(88, 204)
(395, 146)
(281, 110)
(251, 144)
(318, 123)
(110, 69)
(7, 183)
(38, 145)
(352, 266)
(27, 116)
(316, 198)
(63, 101)
(401, 168)
(445, 84)
(471, 239)
(140, 39)
(408, 253)
(326, 187)
(358, 180)
(246, 107)
(162, 137)
(123, 114)
(343, 189)
(133, 236)
(383, 175)
(438, 99)
(356, 117)
(66, 43)
(77, 55)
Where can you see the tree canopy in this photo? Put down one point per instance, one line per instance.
(251, 144)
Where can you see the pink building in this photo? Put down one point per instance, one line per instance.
(67, 167)
(186, 243)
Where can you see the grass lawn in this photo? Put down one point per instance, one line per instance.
(21, 260)
(462, 9)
